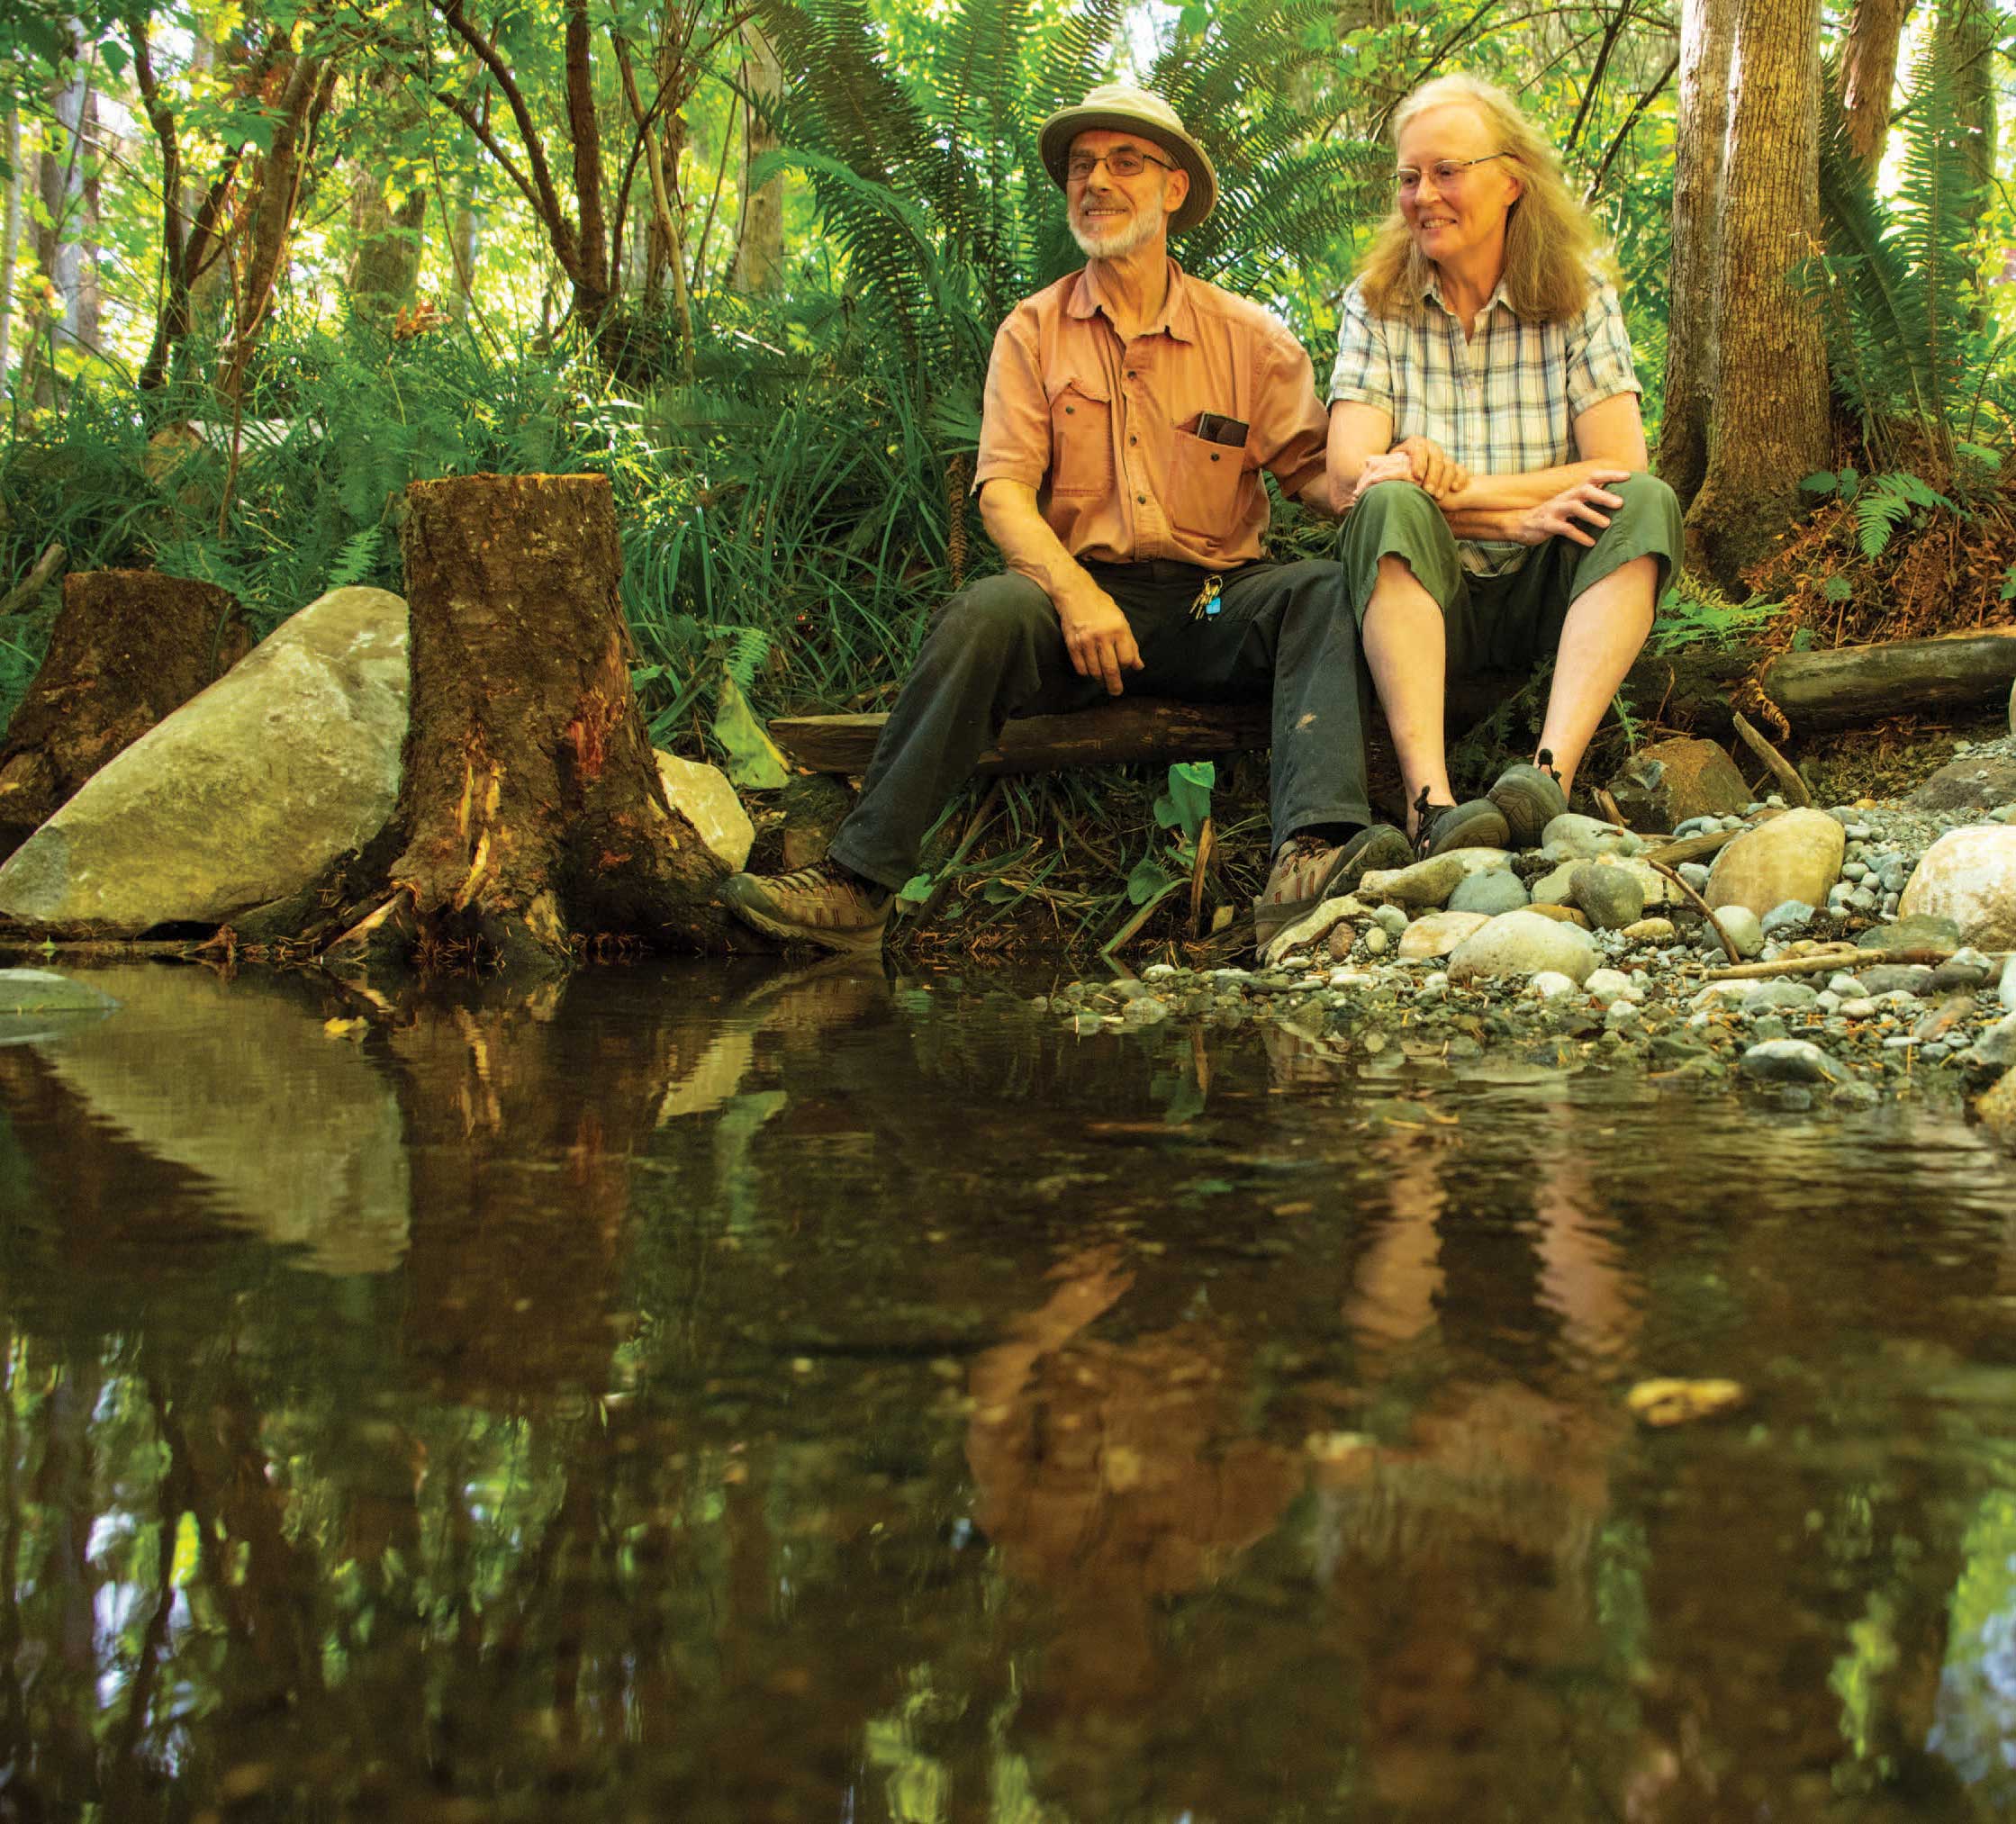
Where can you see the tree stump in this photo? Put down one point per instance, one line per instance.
(531, 810)
(128, 649)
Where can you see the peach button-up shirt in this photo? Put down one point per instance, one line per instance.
(1104, 430)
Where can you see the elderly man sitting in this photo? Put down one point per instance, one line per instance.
(1130, 409)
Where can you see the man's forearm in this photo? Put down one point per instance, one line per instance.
(1027, 545)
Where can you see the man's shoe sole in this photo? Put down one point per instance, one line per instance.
(866, 940)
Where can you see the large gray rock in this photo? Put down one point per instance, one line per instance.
(1525, 943)
(1975, 781)
(1796, 856)
(245, 795)
(1788, 1060)
(1572, 837)
(1969, 876)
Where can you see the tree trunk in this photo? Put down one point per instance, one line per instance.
(128, 649)
(1707, 32)
(1868, 75)
(10, 244)
(1770, 424)
(465, 246)
(385, 263)
(90, 299)
(759, 243)
(531, 808)
(1969, 26)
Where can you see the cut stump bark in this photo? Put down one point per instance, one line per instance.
(128, 649)
(531, 811)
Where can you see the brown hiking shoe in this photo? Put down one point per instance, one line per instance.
(817, 905)
(1307, 870)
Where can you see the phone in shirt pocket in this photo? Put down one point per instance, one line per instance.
(1206, 469)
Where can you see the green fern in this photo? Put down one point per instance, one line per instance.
(1896, 282)
(358, 559)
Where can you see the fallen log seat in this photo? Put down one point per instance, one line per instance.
(1689, 690)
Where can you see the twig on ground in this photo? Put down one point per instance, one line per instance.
(1817, 961)
(1782, 768)
(1207, 845)
(1702, 907)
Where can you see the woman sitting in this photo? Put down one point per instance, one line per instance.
(1486, 441)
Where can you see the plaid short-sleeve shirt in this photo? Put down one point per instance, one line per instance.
(1502, 402)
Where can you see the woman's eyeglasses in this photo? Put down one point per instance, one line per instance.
(1445, 171)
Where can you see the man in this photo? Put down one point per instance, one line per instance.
(1129, 412)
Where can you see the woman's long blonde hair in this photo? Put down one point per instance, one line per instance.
(1550, 239)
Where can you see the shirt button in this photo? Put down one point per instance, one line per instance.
(1141, 499)
(1213, 456)
(1134, 439)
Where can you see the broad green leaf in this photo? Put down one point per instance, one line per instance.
(1189, 794)
(753, 759)
(914, 890)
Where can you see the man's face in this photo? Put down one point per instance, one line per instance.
(1113, 214)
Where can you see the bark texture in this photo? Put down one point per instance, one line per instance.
(128, 649)
(1707, 34)
(759, 243)
(1969, 27)
(1868, 67)
(1770, 425)
(531, 810)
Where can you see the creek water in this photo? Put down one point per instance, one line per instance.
(725, 1394)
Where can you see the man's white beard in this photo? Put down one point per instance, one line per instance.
(1117, 243)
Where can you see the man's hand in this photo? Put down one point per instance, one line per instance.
(1097, 634)
(1572, 513)
(1431, 465)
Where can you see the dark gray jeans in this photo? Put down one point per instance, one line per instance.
(1284, 634)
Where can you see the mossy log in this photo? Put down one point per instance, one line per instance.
(129, 647)
(530, 814)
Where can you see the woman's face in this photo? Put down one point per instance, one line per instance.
(1453, 192)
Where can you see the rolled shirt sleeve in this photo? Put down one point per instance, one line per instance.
(1363, 372)
(1290, 432)
(1598, 352)
(1015, 422)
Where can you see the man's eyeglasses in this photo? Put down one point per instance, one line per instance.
(1122, 161)
(1445, 171)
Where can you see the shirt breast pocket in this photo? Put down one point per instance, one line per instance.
(1204, 482)
(1081, 441)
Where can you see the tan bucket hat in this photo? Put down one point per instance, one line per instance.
(1117, 107)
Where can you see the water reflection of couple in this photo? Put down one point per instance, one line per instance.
(1450, 1562)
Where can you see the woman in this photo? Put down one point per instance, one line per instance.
(1486, 444)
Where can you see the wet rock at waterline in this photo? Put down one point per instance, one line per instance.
(1969, 876)
(245, 795)
(709, 803)
(1796, 856)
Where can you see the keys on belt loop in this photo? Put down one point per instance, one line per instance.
(1207, 602)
